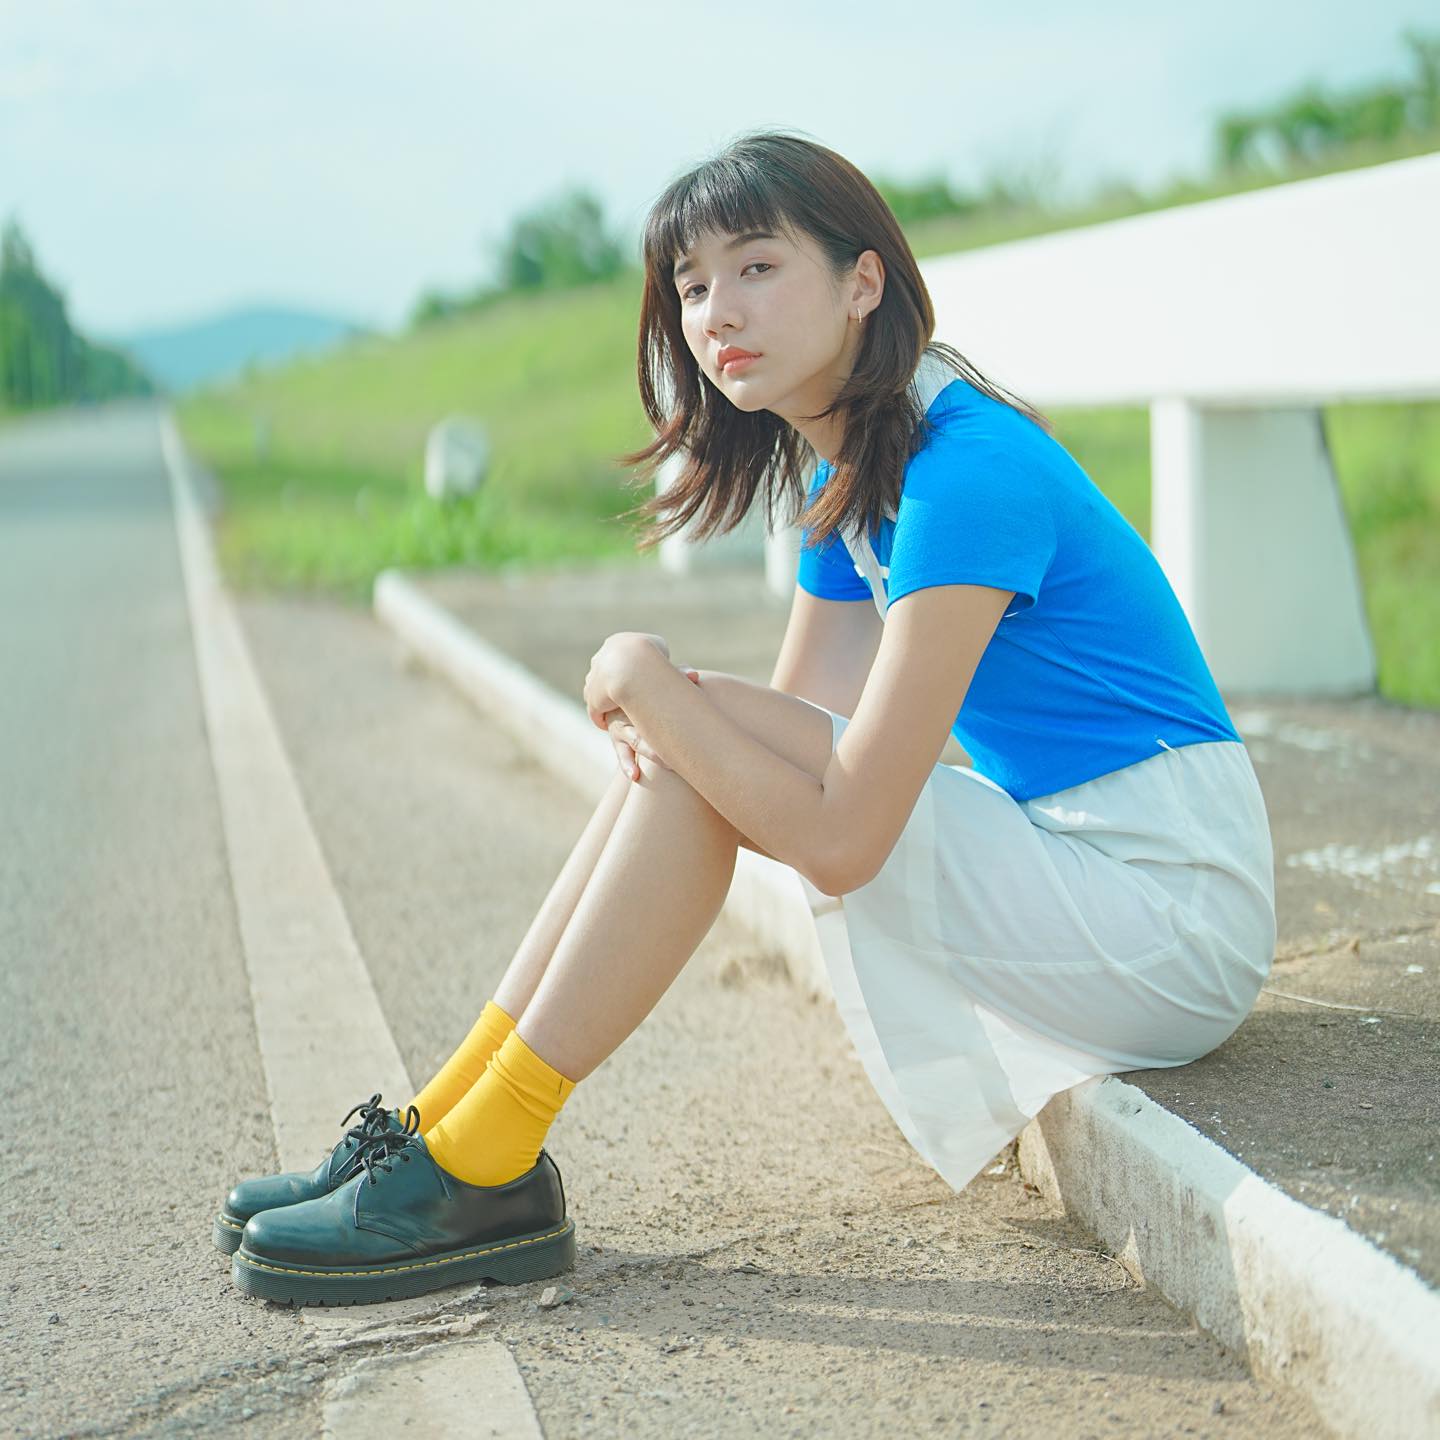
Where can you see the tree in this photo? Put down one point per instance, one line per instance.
(559, 244)
(925, 199)
(1424, 111)
(36, 346)
(42, 360)
(1311, 125)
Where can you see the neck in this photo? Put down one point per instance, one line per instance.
(827, 435)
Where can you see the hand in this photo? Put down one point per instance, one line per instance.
(610, 665)
(629, 743)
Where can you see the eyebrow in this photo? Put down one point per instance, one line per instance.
(734, 244)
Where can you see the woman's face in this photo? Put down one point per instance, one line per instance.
(775, 298)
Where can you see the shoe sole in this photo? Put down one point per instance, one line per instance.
(515, 1261)
(227, 1231)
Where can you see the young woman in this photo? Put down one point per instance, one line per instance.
(1095, 893)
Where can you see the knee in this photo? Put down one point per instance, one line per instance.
(656, 776)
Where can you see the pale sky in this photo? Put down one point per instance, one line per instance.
(171, 160)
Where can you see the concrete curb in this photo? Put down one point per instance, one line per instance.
(1306, 1300)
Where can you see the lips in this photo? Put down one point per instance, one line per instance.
(733, 352)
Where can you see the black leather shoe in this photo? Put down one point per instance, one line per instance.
(403, 1226)
(249, 1197)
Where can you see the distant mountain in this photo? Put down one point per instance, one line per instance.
(186, 357)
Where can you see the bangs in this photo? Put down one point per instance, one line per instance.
(722, 196)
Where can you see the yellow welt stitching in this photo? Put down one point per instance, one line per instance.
(395, 1269)
(225, 1220)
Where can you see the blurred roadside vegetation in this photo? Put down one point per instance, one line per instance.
(321, 462)
(43, 361)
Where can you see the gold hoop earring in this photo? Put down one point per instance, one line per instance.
(859, 318)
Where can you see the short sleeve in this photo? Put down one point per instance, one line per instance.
(973, 511)
(827, 570)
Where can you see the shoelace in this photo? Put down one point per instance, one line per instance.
(384, 1148)
(374, 1121)
(373, 1117)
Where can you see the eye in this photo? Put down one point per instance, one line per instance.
(764, 264)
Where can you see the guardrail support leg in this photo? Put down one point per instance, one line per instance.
(1248, 525)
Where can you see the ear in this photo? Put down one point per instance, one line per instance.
(869, 282)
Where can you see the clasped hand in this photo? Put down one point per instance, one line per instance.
(607, 666)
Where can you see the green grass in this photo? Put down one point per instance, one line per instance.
(321, 464)
(1387, 458)
(334, 494)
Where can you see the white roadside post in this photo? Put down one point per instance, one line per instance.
(682, 555)
(457, 455)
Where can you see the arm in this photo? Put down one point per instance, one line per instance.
(838, 830)
(828, 649)
(933, 641)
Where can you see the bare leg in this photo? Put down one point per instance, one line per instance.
(766, 713)
(518, 984)
(655, 892)
(661, 876)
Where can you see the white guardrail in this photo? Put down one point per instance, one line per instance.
(1234, 320)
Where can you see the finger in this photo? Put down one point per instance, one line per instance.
(646, 749)
(626, 758)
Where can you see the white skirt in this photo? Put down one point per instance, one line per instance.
(1008, 950)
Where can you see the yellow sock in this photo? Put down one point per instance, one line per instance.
(495, 1132)
(464, 1067)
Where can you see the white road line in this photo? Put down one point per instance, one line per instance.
(323, 1040)
(324, 1043)
(463, 1394)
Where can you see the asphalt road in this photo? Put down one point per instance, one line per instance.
(760, 1251)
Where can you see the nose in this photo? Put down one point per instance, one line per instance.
(719, 311)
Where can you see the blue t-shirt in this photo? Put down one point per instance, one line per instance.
(1094, 665)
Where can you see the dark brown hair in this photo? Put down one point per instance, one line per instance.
(778, 182)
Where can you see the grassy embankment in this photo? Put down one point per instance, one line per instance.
(321, 463)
